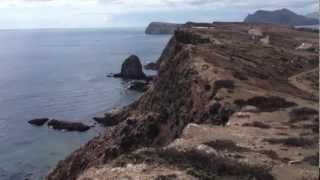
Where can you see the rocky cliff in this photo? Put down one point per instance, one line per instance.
(281, 17)
(224, 105)
(161, 28)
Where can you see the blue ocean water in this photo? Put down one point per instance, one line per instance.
(60, 73)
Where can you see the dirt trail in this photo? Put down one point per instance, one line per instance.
(299, 82)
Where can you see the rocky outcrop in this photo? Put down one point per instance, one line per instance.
(131, 69)
(203, 82)
(108, 120)
(282, 16)
(38, 121)
(161, 28)
(69, 126)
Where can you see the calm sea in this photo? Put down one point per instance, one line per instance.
(60, 73)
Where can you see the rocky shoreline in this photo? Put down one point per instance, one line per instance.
(199, 119)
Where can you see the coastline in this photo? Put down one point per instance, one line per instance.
(197, 85)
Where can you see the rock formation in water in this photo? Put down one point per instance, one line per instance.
(161, 28)
(281, 17)
(223, 105)
(38, 121)
(69, 126)
(131, 69)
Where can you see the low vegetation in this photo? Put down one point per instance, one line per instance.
(226, 145)
(302, 114)
(227, 84)
(312, 160)
(167, 177)
(273, 155)
(199, 164)
(292, 141)
(257, 124)
(266, 104)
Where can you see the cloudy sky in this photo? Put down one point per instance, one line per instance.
(137, 13)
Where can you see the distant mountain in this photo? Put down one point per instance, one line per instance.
(282, 16)
(161, 28)
(313, 15)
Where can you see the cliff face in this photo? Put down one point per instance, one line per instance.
(206, 76)
(161, 28)
(282, 17)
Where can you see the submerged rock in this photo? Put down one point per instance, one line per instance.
(131, 69)
(38, 121)
(69, 126)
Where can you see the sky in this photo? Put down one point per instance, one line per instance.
(25, 14)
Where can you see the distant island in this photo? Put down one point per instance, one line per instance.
(280, 17)
(161, 28)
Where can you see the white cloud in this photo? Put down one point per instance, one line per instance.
(140, 4)
(87, 13)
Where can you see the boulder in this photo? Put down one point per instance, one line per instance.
(38, 121)
(69, 126)
(131, 69)
(140, 86)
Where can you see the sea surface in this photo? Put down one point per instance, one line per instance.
(60, 73)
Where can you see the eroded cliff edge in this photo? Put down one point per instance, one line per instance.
(236, 87)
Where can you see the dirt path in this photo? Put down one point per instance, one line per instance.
(304, 86)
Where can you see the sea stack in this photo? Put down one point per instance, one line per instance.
(131, 69)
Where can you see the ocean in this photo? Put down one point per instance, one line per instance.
(60, 73)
